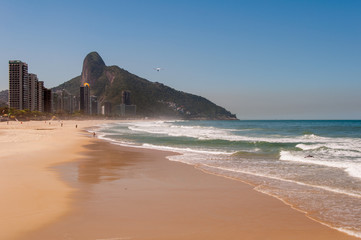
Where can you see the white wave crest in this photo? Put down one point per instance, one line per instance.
(341, 144)
(186, 150)
(258, 174)
(211, 133)
(353, 168)
(164, 148)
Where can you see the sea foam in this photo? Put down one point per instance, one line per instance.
(274, 154)
(353, 168)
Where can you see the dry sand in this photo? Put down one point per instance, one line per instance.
(31, 193)
(112, 192)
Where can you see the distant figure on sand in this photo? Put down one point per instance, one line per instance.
(93, 134)
(76, 126)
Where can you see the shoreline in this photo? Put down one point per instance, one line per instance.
(243, 181)
(292, 206)
(219, 206)
(254, 183)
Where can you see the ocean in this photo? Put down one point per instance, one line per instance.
(314, 166)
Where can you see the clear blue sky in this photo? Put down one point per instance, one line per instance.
(259, 59)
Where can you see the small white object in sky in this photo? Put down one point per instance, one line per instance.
(158, 69)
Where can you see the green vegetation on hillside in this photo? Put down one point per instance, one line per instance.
(72, 86)
(151, 98)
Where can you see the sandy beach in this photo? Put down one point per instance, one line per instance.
(31, 193)
(58, 182)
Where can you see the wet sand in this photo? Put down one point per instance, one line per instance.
(130, 193)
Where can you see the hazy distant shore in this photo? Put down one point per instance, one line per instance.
(58, 182)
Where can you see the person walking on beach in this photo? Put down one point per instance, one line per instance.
(93, 134)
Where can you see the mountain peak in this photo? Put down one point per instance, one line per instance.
(151, 99)
(93, 67)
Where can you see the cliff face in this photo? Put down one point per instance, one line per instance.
(93, 68)
(151, 98)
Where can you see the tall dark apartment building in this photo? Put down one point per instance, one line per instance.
(126, 97)
(47, 100)
(85, 99)
(126, 109)
(18, 85)
(33, 92)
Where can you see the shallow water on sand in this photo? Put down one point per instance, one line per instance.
(315, 166)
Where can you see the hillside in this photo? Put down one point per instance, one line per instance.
(151, 98)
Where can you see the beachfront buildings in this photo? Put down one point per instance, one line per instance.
(33, 92)
(106, 109)
(47, 100)
(88, 103)
(85, 106)
(64, 102)
(126, 109)
(18, 85)
(40, 96)
(126, 97)
(94, 105)
(25, 90)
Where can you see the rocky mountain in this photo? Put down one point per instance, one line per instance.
(93, 68)
(152, 99)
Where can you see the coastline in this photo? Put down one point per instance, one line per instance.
(139, 194)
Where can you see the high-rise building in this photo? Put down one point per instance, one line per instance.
(126, 97)
(25, 90)
(85, 99)
(75, 103)
(33, 92)
(40, 96)
(107, 109)
(94, 105)
(18, 85)
(47, 100)
(63, 102)
(57, 102)
(126, 109)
